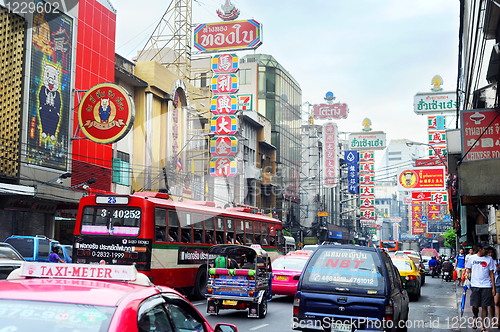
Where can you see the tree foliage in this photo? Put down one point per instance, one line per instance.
(286, 233)
(450, 238)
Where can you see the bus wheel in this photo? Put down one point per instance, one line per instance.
(200, 283)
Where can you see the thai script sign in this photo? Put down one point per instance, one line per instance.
(476, 123)
(374, 140)
(351, 158)
(224, 124)
(224, 104)
(428, 103)
(224, 36)
(422, 178)
(429, 162)
(106, 113)
(224, 146)
(330, 146)
(225, 83)
(330, 111)
(224, 167)
(225, 63)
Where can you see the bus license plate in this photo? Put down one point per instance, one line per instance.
(229, 302)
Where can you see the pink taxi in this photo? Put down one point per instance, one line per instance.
(287, 270)
(79, 297)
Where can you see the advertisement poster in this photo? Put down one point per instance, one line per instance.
(50, 90)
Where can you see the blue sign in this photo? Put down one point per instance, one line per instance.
(447, 217)
(334, 235)
(423, 219)
(351, 158)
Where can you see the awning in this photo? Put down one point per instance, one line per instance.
(15, 189)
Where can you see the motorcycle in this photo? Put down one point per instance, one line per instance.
(447, 276)
(434, 272)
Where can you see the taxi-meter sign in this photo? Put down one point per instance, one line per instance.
(224, 146)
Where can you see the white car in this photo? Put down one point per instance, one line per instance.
(10, 259)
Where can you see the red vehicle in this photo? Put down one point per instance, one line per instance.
(391, 245)
(71, 297)
(166, 240)
(429, 252)
(287, 270)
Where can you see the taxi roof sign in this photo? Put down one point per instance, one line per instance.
(79, 271)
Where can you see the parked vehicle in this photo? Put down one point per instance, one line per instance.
(417, 259)
(429, 252)
(38, 248)
(45, 297)
(248, 286)
(10, 259)
(350, 288)
(289, 244)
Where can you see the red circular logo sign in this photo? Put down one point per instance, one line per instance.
(483, 264)
(106, 113)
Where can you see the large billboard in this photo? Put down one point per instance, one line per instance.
(224, 36)
(49, 100)
(480, 132)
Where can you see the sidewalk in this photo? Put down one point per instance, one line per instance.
(464, 322)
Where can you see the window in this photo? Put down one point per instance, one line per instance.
(395, 152)
(186, 231)
(249, 232)
(245, 76)
(155, 319)
(230, 231)
(198, 228)
(173, 226)
(161, 225)
(219, 228)
(121, 168)
(184, 320)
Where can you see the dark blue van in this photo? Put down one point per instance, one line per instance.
(348, 287)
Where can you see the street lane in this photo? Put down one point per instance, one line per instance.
(436, 310)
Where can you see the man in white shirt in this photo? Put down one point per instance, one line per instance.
(480, 267)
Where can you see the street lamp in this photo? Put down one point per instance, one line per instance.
(410, 143)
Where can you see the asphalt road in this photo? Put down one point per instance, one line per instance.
(436, 310)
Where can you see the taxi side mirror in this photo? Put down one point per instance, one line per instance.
(422, 270)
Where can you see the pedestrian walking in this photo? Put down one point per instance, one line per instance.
(460, 266)
(496, 309)
(481, 268)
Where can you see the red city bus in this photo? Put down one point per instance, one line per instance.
(166, 240)
(391, 245)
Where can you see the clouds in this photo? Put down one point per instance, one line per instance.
(374, 55)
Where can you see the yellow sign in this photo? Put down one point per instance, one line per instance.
(300, 245)
(322, 213)
(310, 240)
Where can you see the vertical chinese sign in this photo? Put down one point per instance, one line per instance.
(50, 88)
(224, 122)
(330, 159)
(367, 187)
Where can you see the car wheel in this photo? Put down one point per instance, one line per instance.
(263, 307)
(200, 286)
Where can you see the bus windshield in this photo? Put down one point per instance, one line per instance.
(110, 220)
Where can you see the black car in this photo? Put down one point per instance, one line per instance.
(350, 288)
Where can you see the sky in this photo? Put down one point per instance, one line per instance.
(373, 55)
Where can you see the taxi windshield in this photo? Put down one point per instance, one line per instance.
(288, 263)
(402, 265)
(26, 316)
(337, 267)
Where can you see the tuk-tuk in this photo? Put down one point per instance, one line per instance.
(239, 277)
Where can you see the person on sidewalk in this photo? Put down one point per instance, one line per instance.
(460, 266)
(480, 267)
(471, 252)
(496, 309)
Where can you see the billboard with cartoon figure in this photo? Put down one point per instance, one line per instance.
(50, 88)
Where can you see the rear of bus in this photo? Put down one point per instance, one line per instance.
(109, 230)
